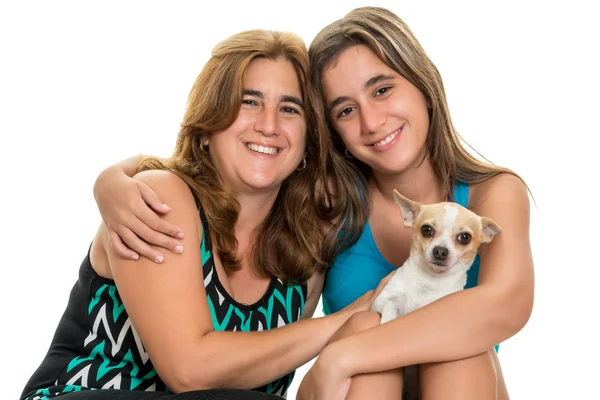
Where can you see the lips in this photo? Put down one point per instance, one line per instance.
(262, 149)
(388, 138)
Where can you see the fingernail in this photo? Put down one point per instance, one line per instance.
(135, 256)
(158, 258)
(166, 207)
(180, 235)
(179, 249)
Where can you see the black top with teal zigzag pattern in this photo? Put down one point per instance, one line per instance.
(95, 346)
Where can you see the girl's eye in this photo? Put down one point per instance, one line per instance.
(345, 111)
(249, 102)
(382, 91)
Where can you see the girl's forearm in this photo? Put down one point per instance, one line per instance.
(461, 325)
(127, 167)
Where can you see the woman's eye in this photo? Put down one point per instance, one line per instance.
(290, 110)
(249, 102)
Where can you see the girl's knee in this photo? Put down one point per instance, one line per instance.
(480, 362)
(473, 377)
(358, 322)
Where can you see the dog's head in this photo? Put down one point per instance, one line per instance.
(445, 236)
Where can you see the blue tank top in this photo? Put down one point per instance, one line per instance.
(361, 267)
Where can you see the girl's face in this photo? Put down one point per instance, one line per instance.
(381, 117)
(267, 140)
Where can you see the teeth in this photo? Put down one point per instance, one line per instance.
(262, 149)
(387, 139)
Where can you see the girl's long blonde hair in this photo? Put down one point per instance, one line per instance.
(394, 43)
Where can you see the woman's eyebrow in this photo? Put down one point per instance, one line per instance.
(291, 99)
(286, 98)
(252, 92)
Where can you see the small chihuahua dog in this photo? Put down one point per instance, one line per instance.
(445, 240)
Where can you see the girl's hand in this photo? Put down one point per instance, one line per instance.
(323, 382)
(129, 210)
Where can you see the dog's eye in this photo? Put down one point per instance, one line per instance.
(464, 238)
(427, 231)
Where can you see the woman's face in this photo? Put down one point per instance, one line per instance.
(267, 140)
(381, 117)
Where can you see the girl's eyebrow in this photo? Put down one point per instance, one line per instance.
(371, 82)
(336, 102)
(378, 78)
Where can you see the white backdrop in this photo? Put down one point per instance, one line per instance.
(85, 84)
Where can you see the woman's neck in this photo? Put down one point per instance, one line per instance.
(254, 209)
(419, 184)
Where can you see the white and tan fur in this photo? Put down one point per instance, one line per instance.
(439, 258)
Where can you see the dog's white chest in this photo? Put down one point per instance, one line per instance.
(408, 290)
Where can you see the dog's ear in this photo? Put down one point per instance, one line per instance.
(409, 209)
(489, 229)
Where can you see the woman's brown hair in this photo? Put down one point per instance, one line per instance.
(393, 42)
(287, 243)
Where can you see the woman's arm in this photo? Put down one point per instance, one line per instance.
(168, 307)
(465, 323)
(129, 210)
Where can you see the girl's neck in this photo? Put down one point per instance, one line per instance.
(417, 183)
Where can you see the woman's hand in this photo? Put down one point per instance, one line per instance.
(129, 210)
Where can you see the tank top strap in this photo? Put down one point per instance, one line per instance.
(461, 193)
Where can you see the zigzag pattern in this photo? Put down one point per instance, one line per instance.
(116, 344)
(121, 363)
(281, 305)
(111, 354)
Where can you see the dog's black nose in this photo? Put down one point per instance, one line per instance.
(440, 253)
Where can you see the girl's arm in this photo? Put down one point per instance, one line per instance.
(315, 287)
(465, 323)
(169, 309)
(129, 210)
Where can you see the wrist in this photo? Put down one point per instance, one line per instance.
(333, 362)
(337, 320)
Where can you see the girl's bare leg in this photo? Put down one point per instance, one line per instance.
(381, 385)
(478, 377)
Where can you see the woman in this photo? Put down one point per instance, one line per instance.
(246, 155)
(384, 104)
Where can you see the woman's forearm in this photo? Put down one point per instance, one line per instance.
(251, 359)
(461, 325)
